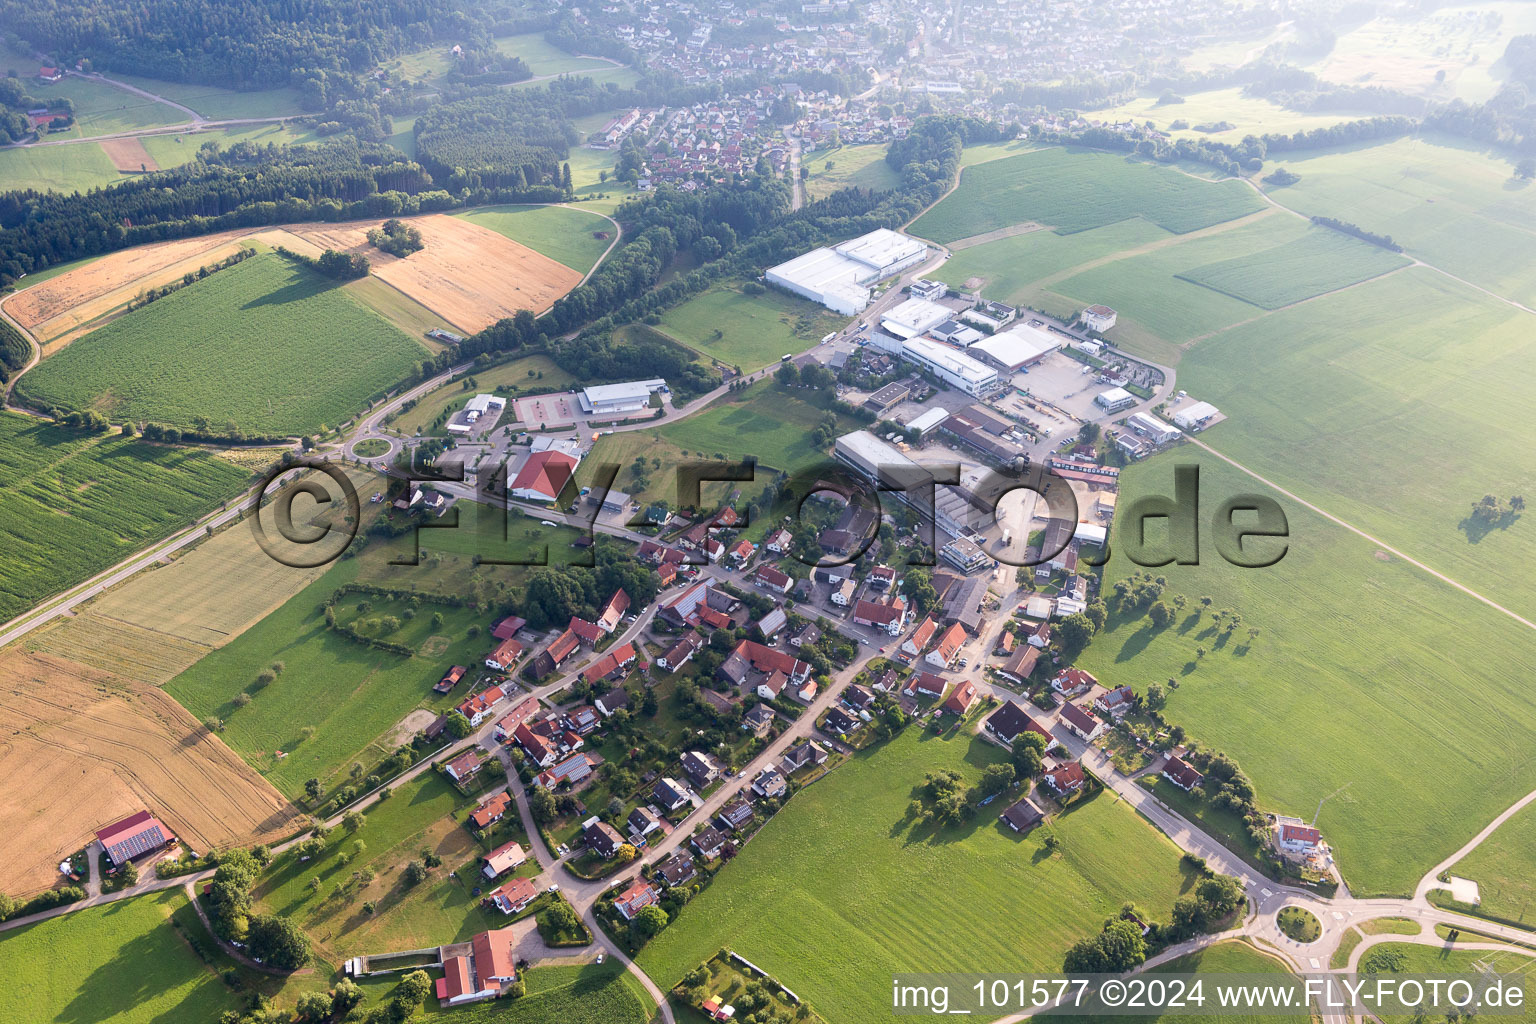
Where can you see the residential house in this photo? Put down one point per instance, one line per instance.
(465, 766)
(643, 821)
(541, 750)
(1116, 702)
(479, 706)
(682, 652)
(512, 896)
(804, 692)
(807, 637)
(769, 784)
(1298, 839)
(1021, 664)
(919, 639)
(1065, 779)
(770, 577)
(948, 647)
(503, 656)
(677, 869)
(858, 698)
(889, 614)
(612, 701)
(759, 720)
(802, 754)
(840, 722)
(740, 552)
(735, 814)
(1070, 682)
(588, 633)
(489, 970)
(886, 682)
(613, 611)
(751, 658)
(570, 771)
(1081, 721)
(490, 811)
(601, 838)
(670, 794)
(1022, 816)
(1039, 637)
(779, 542)
(553, 656)
(961, 699)
(709, 843)
(635, 898)
(581, 720)
(1181, 773)
(1006, 642)
(700, 767)
(1011, 721)
(881, 577)
(614, 663)
(842, 594)
(925, 684)
(504, 858)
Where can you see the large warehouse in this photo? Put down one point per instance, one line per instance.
(1011, 350)
(914, 317)
(956, 369)
(839, 276)
(617, 399)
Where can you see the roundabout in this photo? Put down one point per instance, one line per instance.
(1299, 924)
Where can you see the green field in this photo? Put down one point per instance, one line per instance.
(1353, 672)
(1320, 261)
(217, 104)
(1437, 961)
(72, 506)
(545, 59)
(244, 345)
(586, 994)
(175, 150)
(769, 423)
(118, 964)
(73, 168)
(1074, 190)
(840, 890)
(1248, 115)
(1231, 957)
(1504, 868)
(351, 694)
(1449, 203)
(1005, 269)
(101, 109)
(564, 235)
(530, 374)
(749, 331)
(852, 167)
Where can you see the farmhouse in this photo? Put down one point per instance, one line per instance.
(839, 276)
(1181, 773)
(513, 895)
(479, 705)
(1021, 664)
(1082, 722)
(502, 657)
(948, 647)
(543, 476)
(618, 399)
(551, 657)
(636, 898)
(504, 858)
(465, 766)
(1022, 816)
(508, 627)
(961, 699)
(682, 652)
(483, 974)
(133, 837)
(613, 611)
(1011, 721)
(611, 664)
(889, 614)
(772, 578)
(920, 637)
(516, 717)
(751, 658)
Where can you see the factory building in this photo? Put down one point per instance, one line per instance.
(618, 399)
(839, 277)
(954, 368)
(1014, 349)
(914, 317)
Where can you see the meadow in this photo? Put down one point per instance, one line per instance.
(1320, 261)
(218, 104)
(565, 235)
(1355, 673)
(101, 109)
(1447, 202)
(121, 963)
(1248, 115)
(1409, 958)
(841, 889)
(1230, 957)
(73, 168)
(748, 331)
(530, 374)
(241, 346)
(71, 506)
(1504, 868)
(579, 994)
(861, 166)
(349, 693)
(544, 58)
(1005, 268)
(1074, 190)
(764, 421)
(175, 150)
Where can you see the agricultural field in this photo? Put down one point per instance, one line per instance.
(117, 964)
(71, 506)
(574, 238)
(1074, 190)
(578, 994)
(335, 696)
(76, 729)
(1504, 868)
(852, 167)
(841, 889)
(1446, 202)
(175, 150)
(101, 109)
(1320, 261)
(749, 331)
(75, 168)
(528, 375)
(1414, 369)
(764, 421)
(216, 104)
(232, 348)
(1353, 655)
(1248, 115)
(543, 58)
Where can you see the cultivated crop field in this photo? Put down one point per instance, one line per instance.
(1073, 190)
(1248, 115)
(567, 236)
(77, 730)
(1353, 673)
(839, 890)
(121, 963)
(349, 693)
(242, 346)
(1322, 260)
(749, 331)
(72, 506)
(1504, 868)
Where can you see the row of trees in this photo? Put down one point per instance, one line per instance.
(271, 939)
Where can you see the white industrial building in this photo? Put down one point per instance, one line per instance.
(1152, 428)
(616, 399)
(1098, 318)
(1114, 399)
(914, 317)
(839, 276)
(954, 368)
(868, 455)
(923, 288)
(1195, 416)
(1015, 348)
(474, 409)
(926, 422)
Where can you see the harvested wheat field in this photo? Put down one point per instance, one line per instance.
(468, 275)
(81, 748)
(129, 155)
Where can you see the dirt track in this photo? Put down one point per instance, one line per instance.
(80, 748)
